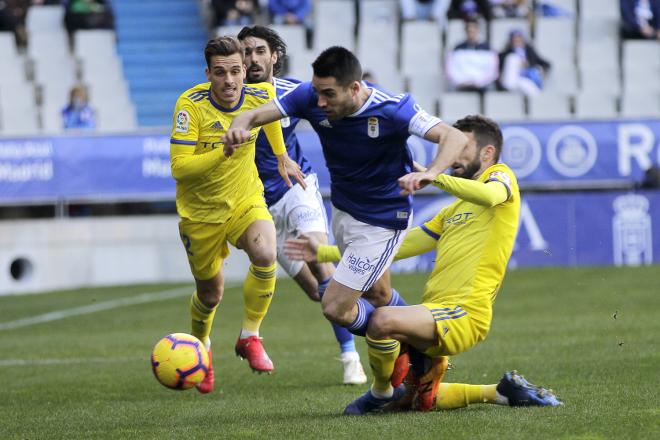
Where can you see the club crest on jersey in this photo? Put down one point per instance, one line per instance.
(217, 125)
(372, 127)
(182, 122)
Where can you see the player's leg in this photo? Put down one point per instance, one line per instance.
(252, 230)
(512, 390)
(205, 247)
(383, 294)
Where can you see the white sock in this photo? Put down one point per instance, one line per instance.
(500, 399)
(247, 334)
(382, 395)
(350, 355)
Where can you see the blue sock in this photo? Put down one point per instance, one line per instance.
(343, 336)
(359, 326)
(396, 300)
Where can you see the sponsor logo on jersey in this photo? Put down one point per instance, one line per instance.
(401, 214)
(359, 265)
(182, 122)
(325, 123)
(372, 127)
(459, 219)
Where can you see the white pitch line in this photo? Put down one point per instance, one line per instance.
(97, 360)
(93, 308)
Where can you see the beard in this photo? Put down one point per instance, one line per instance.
(469, 171)
(258, 76)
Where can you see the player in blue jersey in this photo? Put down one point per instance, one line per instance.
(363, 132)
(295, 210)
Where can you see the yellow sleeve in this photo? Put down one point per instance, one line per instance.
(481, 193)
(273, 130)
(327, 253)
(185, 122)
(187, 165)
(417, 242)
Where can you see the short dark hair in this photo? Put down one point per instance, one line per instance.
(486, 132)
(223, 46)
(339, 63)
(275, 42)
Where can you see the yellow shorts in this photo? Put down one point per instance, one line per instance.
(206, 243)
(458, 330)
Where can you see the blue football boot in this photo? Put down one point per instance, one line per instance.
(367, 402)
(519, 392)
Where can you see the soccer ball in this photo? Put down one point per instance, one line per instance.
(180, 361)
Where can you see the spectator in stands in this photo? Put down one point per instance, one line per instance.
(521, 68)
(291, 12)
(78, 114)
(423, 9)
(234, 12)
(472, 65)
(88, 14)
(12, 19)
(640, 19)
(510, 8)
(465, 9)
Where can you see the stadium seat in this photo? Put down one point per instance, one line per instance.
(456, 105)
(561, 80)
(641, 55)
(51, 119)
(641, 80)
(8, 45)
(43, 19)
(640, 105)
(555, 41)
(383, 36)
(334, 24)
(599, 9)
(595, 105)
(426, 89)
(233, 30)
(455, 34)
(600, 79)
(549, 106)
(598, 54)
(504, 106)
(379, 11)
(500, 29)
(415, 56)
(90, 44)
(300, 65)
(568, 6)
(13, 65)
(50, 45)
(22, 116)
(120, 118)
(389, 79)
(594, 29)
(294, 36)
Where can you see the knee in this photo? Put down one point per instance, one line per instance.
(335, 313)
(263, 256)
(380, 324)
(211, 295)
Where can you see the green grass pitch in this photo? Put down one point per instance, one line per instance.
(590, 334)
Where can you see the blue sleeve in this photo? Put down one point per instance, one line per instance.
(295, 102)
(412, 119)
(303, 10)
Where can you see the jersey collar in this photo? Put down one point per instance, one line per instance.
(366, 104)
(228, 110)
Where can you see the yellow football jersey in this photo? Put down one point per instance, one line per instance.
(474, 246)
(209, 185)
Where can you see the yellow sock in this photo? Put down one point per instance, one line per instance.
(460, 395)
(258, 290)
(202, 319)
(382, 355)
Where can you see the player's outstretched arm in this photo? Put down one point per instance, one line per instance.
(451, 143)
(309, 249)
(489, 194)
(239, 131)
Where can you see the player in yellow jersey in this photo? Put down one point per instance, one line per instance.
(220, 199)
(473, 238)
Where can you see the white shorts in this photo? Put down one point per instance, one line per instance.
(298, 211)
(367, 251)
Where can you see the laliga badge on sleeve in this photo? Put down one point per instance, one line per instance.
(502, 177)
(372, 127)
(182, 122)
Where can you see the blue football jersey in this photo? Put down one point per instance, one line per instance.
(365, 152)
(274, 186)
